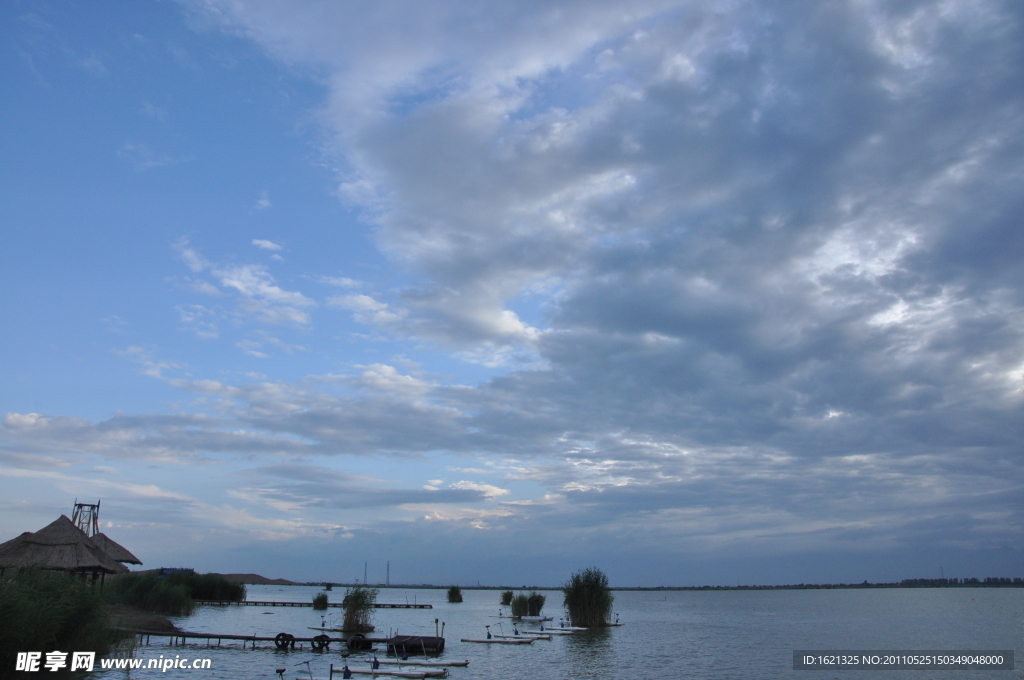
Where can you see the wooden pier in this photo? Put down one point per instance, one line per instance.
(399, 645)
(271, 603)
(281, 640)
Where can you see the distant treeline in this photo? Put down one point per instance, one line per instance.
(990, 582)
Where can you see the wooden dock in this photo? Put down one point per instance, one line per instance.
(399, 645)
(181, 637)
(271, 603)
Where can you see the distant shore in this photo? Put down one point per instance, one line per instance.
(990, 582)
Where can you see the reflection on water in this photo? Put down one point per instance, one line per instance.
(690, 634)
(590, 654)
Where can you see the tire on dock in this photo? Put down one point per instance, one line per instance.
(284, 640)
(320, 642)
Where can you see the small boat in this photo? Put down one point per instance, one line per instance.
(536, 619)
(501, 641)
(416, 662)
(537, 636)
(565, 629)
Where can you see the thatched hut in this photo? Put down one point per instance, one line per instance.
(115, 550)
(61, 546)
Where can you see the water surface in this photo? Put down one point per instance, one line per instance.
(679, 634)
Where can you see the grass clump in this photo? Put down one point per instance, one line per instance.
(46, 611)
(506, 597)
(535, 602)
(520, 605)
(455, 594)
(358, 604)
(320, 601)
(588, 598)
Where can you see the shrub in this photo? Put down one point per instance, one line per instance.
(46, 611)
(506, 597)
(455, 594)
(520, 605)
(588, 598)
(358, 604)
(320, 601)
(535, 602)
(328, 586)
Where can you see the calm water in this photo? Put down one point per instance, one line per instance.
(726, 634)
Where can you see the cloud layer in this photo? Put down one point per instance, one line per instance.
(752, 273)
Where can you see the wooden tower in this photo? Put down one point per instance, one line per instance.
(87, 517)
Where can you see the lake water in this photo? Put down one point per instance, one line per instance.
(688, 634)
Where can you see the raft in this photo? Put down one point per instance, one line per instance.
(414, 662)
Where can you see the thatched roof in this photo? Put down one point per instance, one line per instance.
(59, 545)
(114, 550)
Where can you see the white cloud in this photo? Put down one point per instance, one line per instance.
(258, 296)
(339, 281)
(488, 490)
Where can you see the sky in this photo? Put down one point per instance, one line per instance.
(695, 292)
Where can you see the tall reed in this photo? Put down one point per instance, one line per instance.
(455, 594)
(520, 605)
(535, 602)
(173, 594)
(358, 604)
(45, 611)
(146, 591)
(588, 598)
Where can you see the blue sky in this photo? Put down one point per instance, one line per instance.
(696, 292)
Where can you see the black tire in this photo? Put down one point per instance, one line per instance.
(321, 642)
(355, 643)
(281, 640)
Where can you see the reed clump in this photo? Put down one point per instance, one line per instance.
(320, 601)
(173, 594)
(147, 592)
(47, 611)
(358, 605)
(520, 605)
(588, 598)
(209, 586)
(455, 594)
(506, 597)
(535, 602)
